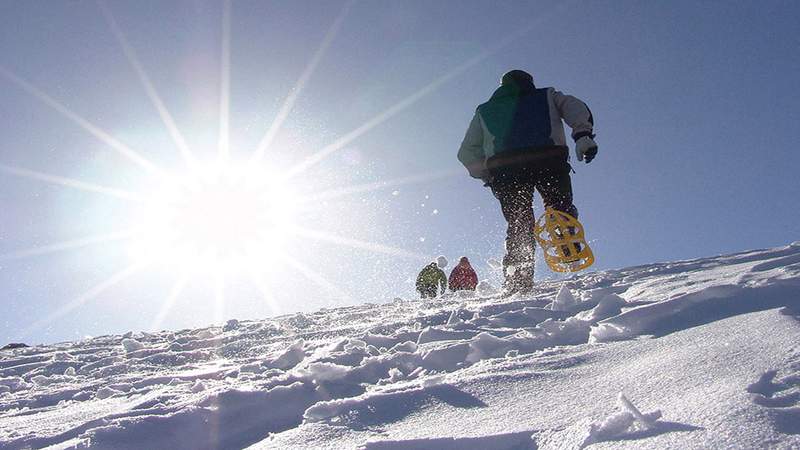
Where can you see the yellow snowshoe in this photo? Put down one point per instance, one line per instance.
(562, 239)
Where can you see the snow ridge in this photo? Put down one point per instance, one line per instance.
(365, 376)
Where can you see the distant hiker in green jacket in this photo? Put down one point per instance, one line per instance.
(516, 145)
(429, 279)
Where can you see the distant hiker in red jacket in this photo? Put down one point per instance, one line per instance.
(463, 277)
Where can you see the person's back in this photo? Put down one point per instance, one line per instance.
(463, 277)
(429, 280)
(516, 145)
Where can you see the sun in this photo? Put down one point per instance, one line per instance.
(220, 216)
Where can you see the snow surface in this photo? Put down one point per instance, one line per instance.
(690, 354)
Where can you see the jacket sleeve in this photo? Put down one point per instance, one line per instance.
(471, 153)
(443, 281)
(575, 113)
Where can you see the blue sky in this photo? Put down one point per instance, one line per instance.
(695, 108)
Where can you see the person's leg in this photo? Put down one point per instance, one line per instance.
(555, 186)
(516, 202)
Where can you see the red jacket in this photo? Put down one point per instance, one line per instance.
(463, 277)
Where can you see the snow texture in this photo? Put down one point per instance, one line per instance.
(704, 350)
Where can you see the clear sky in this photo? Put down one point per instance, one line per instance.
(363, 106)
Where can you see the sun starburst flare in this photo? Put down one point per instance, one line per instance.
(221, 219)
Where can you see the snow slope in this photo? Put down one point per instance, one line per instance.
(691, 354)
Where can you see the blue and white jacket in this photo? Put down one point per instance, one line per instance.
(521, 121)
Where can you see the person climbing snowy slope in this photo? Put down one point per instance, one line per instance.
(463, 277)
(430, 278)
(516, 145)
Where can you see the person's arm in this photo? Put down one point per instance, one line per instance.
(471, 153)
(419, 280)
(575, 113)
(579, 117)
(443, 281)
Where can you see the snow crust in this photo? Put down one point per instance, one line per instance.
(687, 354)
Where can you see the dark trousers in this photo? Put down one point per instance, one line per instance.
(514, 185)
(427, 292)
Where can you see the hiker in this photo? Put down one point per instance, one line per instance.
(463, 277)
(516, 145)
(430, 279)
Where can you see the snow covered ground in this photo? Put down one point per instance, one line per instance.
(691, 354)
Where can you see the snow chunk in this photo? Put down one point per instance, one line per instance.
(15, 383)
(106, 392)
(486, 289)
(324, 371)
(291, 357)
(230, 325)
(441, 261)
(41, 380)
(615, 426)
(609, 306)
(63, 356)
(198, 386)
(407, 346)
(485, 346)
(131, 345)
(205, 333)
(454, 320)
(564, 299)
(395, 375)
(253, 367)
(353, 345)
(607, 332)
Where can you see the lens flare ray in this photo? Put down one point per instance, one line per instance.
(354, 243)
(225, 83)
(294, 93)
(408, 101)
(163, 112)
(71, 182)
(92, 129)
(315, 277)
(265, 292)
(173, 295)
(85, 297)
(219, 297)
(378, 185)
(69, 245)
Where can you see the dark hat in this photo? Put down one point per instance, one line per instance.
(516, 77)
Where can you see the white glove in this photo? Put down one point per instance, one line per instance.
(585, 149)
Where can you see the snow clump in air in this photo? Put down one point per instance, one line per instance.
(441, 261)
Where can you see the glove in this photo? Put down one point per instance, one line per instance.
(585, 149)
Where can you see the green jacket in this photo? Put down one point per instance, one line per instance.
(430, 276)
